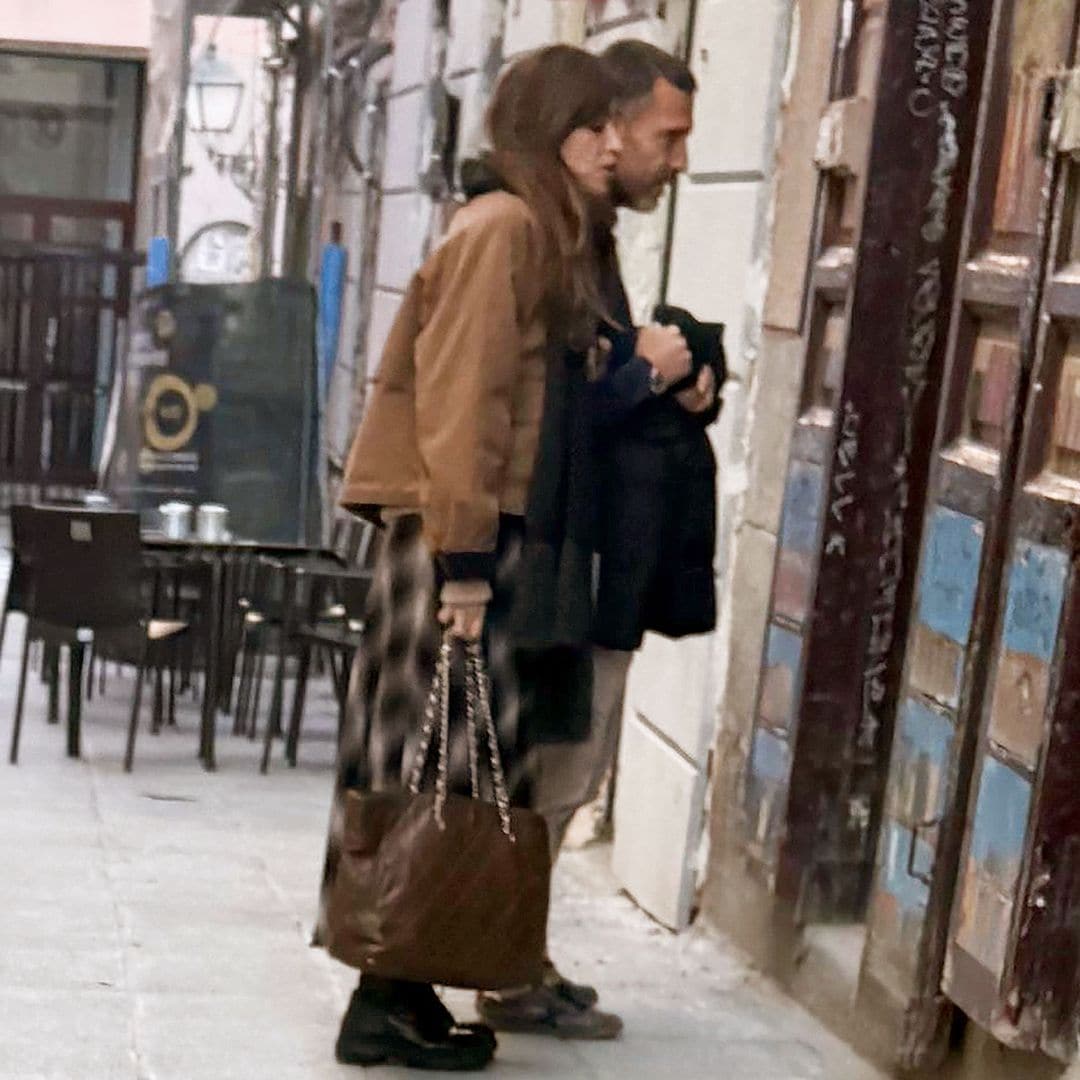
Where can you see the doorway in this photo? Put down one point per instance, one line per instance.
(69, 127)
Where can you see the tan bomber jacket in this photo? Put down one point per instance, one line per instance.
(453, 422)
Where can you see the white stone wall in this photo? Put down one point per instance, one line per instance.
(104, 27)
(208, 196)
(466, 54)
(405, 209)
(529, 24)
(349, 202)
(717, 271)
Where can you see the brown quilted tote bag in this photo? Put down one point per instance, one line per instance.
(441, 888)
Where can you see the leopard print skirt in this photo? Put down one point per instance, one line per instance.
(392, 674)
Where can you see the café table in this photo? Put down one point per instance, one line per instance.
(221, 559)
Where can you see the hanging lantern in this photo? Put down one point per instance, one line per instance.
(214, 94)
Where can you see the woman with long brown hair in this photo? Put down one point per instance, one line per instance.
(474, 456)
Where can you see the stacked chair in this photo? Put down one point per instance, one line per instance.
(305, 608)
(87, 585)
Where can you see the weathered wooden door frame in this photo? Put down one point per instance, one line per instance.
(1028, 993)
(865, 512)
(840, 158)
(957, 597)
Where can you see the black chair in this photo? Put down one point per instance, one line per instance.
(18, 586)
(282, 591)
(18, 581)
(178, 590)
(15, 600)
(260, 605)
(86, 588)
(338, 633)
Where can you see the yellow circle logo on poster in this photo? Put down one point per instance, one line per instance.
(171, 411)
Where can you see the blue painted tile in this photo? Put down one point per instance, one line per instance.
(784, 648)
(770, 758)
(782, 659)
(909, 892)
(766, 792)
(1001, 820)
(1036, 594)
(920, 766)
(803, 505)
(950, 574)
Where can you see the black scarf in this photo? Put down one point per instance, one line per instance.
(554, 598)
(551, 622)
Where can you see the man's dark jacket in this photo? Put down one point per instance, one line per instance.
(656, 477)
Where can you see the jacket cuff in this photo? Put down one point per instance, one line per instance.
(466, 592)
(636, 377)
(623, 347)
(466, 565)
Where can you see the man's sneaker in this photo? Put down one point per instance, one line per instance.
(584, 997)
(543, 1010)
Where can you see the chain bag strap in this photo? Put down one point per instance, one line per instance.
(436, 715)
(478, 695)
(471, 732)
(478, 721)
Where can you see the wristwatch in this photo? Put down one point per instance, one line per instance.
(657, 382)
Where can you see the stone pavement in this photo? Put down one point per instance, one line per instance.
(155, 927)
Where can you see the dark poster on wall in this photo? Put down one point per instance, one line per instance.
(218, 403)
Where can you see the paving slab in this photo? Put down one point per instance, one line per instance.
(156, 926)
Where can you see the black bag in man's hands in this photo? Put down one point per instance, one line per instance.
(704, 339)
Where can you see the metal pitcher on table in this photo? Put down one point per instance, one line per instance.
(175, 520)
(212, 523)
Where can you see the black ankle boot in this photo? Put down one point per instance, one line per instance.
(393, 1022)
(435, 1016)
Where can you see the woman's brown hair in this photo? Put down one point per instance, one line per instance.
(539, 100)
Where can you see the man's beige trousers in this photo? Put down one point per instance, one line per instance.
(568, 776)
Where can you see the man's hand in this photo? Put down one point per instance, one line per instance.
(464, 621)
(665, 348)
(702, 395)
